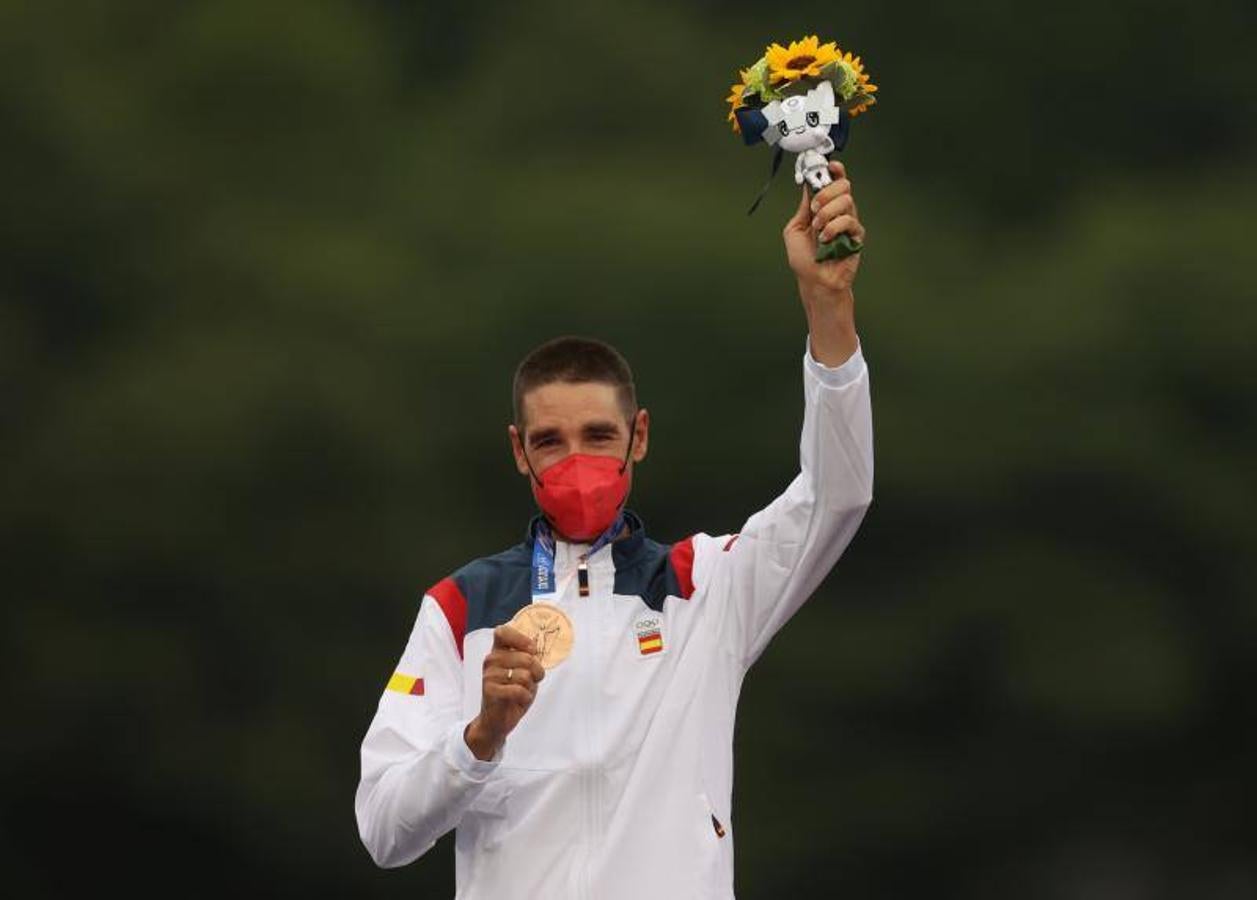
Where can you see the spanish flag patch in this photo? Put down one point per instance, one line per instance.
(649, 643)
(406, 684)
(649, 635)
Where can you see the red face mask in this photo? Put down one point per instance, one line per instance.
(582, 493)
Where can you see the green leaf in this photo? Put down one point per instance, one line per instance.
(839, 248)
(856, 100)
(839, 76)
(798, 88)
(757, 78)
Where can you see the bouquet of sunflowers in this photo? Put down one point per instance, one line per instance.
(802, 98)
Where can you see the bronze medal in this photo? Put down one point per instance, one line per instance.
(550, 627)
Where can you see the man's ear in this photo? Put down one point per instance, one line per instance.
(641, 434)
(517, 449)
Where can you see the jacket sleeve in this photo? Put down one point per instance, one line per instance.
(418, 774)
(763, 574)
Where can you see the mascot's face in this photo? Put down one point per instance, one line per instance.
(802, 122)
(799, 129)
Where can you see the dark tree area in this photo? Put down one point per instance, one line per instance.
(266, 270)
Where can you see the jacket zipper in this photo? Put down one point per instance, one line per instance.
(591, 709)
(583, 880)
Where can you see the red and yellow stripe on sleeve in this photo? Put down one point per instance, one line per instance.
(406, 684)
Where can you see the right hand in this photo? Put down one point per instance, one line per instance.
(504, 701)
(831, 212)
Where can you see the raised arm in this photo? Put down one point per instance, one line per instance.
(825, 288)
(766, 572)
(763, 574)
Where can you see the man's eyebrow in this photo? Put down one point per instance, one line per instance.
(536, 437)
(599, 427)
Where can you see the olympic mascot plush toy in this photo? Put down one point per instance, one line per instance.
(802, 98)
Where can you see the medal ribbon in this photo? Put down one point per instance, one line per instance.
(543, 553)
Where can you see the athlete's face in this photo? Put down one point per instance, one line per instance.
(562, 418)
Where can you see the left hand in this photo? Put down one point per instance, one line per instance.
(821, 218)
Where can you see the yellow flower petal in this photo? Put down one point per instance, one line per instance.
(783, 65)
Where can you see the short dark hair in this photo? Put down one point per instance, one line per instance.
(575, 359)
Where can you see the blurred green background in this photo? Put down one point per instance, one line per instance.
(265, 272)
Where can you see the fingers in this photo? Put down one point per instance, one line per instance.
(520, 661)
(510, 674)
(510, 677)
(499, 692)
(528, 676)
(834, 209)
(844, 204)
(850, 224)
(513, 677)
(507, 638)
(830, 192)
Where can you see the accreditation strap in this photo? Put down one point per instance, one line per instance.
(543, 553)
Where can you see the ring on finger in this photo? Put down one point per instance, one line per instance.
(510, 674)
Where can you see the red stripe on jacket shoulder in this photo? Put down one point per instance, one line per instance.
(452, 602)
(681, 556)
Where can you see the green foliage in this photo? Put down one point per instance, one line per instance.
(265, 272)
(758, 85)
(843, 78)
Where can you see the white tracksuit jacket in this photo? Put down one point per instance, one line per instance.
(617, 782)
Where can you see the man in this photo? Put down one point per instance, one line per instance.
(608, 772)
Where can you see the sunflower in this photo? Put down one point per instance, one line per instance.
(857, 83)
(735, 100)
(802, 59)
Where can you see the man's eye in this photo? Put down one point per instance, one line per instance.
(813, 118)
